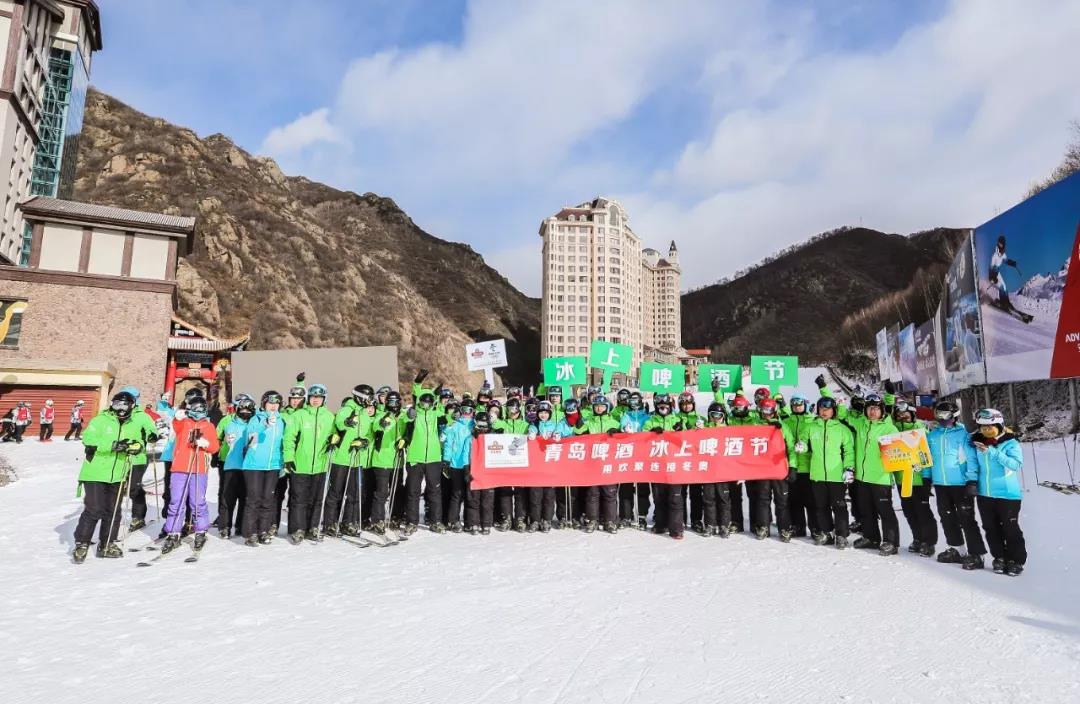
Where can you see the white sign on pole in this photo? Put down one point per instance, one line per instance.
(486, 355)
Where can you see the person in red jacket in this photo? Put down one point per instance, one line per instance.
(76, 421)
(196, 443)
(23, 418)
(48, 415)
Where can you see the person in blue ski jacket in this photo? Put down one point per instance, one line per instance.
(953, 458)
(263, 462)
(633, 421)
(233, 493)
(542, 499)
(996, 478)
(457, 441)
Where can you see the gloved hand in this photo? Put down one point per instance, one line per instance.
(700, 423)
(792, 475)
(89, 451)
(890, 388)
(134, 448)
(411, 413)
(290, 467)
(385, 421)
(400, 444)
(658, 430)
(359, 443)
(120, 446)
(300, 378)
(715, 385)
(820, 381)
(202, 443)
(971, 488)
(800, 448)
(351, 421)
(612, 432)
(928, 481)
(678, 426)
(421, 375)
(230, 438)
(181, 414)
(849, 476)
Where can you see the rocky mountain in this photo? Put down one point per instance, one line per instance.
(822, 298)
(300, 264)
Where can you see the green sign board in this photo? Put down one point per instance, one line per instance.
(663, 378)
(729, 376)
(610, 357)
(774, 371)
(565, 371)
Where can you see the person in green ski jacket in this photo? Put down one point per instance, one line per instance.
(800, 497)
(916, 508)
(388, 441)
(765, 493)
(110, 442)
(295, 402)
(829, 448)
(306, 452)
(669, 507)
(512, 503)
(354, 427)
(691, 420)
(423, 456)
(875, 483)
(600, 501)
(741, 414)
(148, 435)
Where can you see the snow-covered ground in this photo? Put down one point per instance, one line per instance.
(562, 617)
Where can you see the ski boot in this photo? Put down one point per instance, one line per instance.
(785, 536)
(266, 538)
(519, 525)
(456, 527)
(486, 530)
(915, 546)
(735, 528)
(296, 537)
(761, 533)
(545, 526)
(841, 542)
(379, 528)
(642, 524)
(474, 530)
(225, 533)
(136, 524)
(272, 530)
(111, 551)
(332, 530)
(611, 527)
(626, 523)
(351, 529)
(679, 536)
(950, 556)
(251, 542)
(503, 525)
(78, 555)
(998, 566)
(927, 550)
(855, 527)
(409, 529)
(532, 527)
(200, 540)
(973, 562)
(723, 532)
(887, 549)
(313, 535)
(699, 528)
(438, 528)
(659, 530)
(866, 544)
(1013, 569)
(590, 526)
(820, 538)
(172, 541)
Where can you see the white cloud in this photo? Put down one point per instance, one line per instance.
(303, 132)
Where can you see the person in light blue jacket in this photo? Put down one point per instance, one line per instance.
(233, 493)
(457, 441)
(996, 476)
(953, 457)
(542, 498)
(263, 461)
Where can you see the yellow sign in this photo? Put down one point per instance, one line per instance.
(905, 452)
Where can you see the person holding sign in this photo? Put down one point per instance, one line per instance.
(875, 482)
(741, 414)
(952, 455)
(633, 421)
(716, 497)
(690, 420)
(916, 508)
(997, 478)
(670, 508)
(600, 501)
(766, 492)
(512, 501)
(542, 499)
(829, 446)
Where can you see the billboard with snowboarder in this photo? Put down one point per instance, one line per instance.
(926, 378)
(892, 341)
(959, 326)
(1023, 257)
(908, 366)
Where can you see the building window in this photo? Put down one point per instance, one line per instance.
(11, 313)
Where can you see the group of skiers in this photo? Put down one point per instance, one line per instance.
(18, 419)
(343, 472)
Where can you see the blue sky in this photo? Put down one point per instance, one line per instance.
(736, 128)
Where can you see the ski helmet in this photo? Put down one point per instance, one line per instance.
(270, 397)
(799, 403)
(135, 392)
(298, 392)
(467, 408)
(316, 390)
(858, 404)
(196, 407)
(483, 422)
(426, 401)
(380, 395)
(662, 405)
(989, 416)
(767, 407)
(600, 404)
(245, 406)
(634, 402)
(554, 395)
(570, 405)
(945, 411)
(874, 401)
(513, 406)
(717, 412)
(686, 403)
(80, 402)
(121, 405)
(453, 409)
(484, 394)
(446, 394)
(544, 407)
(191, 393)
(592, 390)
(363, 394)
(393, 401)
(762, 392)
(514, 392)
(622, 397)
(826, 403)
(740, 406)
(48, 402)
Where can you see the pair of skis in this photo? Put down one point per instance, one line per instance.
(194, 557)
(1062, 488)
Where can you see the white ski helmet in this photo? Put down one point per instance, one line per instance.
(989, 416)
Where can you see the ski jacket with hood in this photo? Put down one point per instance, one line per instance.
(952, 454)
(263, 437)
(101, 463)
(868, 466)
(457, 440)
(830, 448)
(997, 470)
(307, 439)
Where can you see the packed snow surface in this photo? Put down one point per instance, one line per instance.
(562, 617)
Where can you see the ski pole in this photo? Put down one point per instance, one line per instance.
(157, 493)
(325, 491)
(345, 491)
(124, 484)
(393, 483)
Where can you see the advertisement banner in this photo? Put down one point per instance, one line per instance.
(882, 344)
(892, 339)
(729, 377)
(905, 452)
(686, 457)
(485, 355)
(908, 365)
(565, 371)
(926, 376)
(663, 378)
(774, 372)
(1023, 259)
(961, 332)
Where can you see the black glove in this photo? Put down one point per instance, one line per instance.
(890, 388)
(928, 481)
(120, 446)
(300, 378)
(89, 451)
(715, 385)
(411, 413)
(613, 432)
(971, 488)
(658, 430)
(792, 475)
(498, 431)
(420, 376)
(351, 421)
(677, 426)
(378, 438)
(290, 467)
(820, 381)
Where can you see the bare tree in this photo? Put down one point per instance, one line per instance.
(1068, 166)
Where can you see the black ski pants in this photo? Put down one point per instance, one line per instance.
(878, 507)
(602, 503)
(801, 506)
(260, 501)
(854, 490)
(763, 493)
(541, 504)
(695, 496)
(99, 506)
(956, 510)
(233, 501)
(1001, 521)
(75, 431)
(381, 492)
(46, 432)
(480, 508)
(342, 495)
(565, 504)
(428, 474)
(830, 507)
(737, 520)
(920, 518)
(458, 493)
(367, 495)
(627, 494)
(511, 503)
(305, 500)
(137, 492)
(716, 504)
(282, 490)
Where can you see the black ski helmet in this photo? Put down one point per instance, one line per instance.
(393, 401)
(545, 407)
(483, 422)
(570, 405)
(663, 405)
(600, 401)
(270, 397)
(426, 401)
(298, 392)
(634, 401)
(686, 402)
(622, 396)
(122, 404)
(363, 394)
(513, 406)
(717, 411)
(245, 406)
(554, 395)
(195, 406)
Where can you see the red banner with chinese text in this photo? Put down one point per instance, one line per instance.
(684, 457)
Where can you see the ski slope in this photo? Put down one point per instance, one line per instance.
(1015, 349)
(562, 617)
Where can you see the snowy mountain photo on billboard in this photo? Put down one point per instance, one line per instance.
(1022, 258)
(959, 330)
